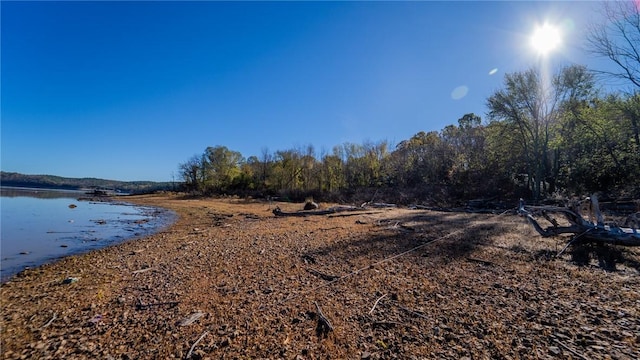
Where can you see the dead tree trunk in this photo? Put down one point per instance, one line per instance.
(583, 230)
(333, 210)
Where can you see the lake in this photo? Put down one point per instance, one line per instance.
(40, 225)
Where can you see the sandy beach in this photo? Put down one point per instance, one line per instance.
(231, 280)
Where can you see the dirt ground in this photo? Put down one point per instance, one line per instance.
(229, 280)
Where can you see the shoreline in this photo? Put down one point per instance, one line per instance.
(229, 279)
(89, 237)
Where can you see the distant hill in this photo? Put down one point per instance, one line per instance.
(58, 182)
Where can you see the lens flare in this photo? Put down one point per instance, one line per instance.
(459, 92)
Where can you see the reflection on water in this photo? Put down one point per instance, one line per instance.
(39, 193)
(41, 225)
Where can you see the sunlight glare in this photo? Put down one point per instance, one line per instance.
(546, 38)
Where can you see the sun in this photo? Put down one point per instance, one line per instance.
(546, 38)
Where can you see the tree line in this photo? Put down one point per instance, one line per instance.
(65, 183)
(542, 137)
(570, 141)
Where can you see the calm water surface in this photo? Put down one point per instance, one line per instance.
(38, 226)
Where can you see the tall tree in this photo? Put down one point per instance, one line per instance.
(519, 105)
(192, 173)
(531, 110)
(466, 143)
(333, 172)
(287, 170)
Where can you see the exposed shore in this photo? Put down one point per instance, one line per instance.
(36, 231)
(230, 280)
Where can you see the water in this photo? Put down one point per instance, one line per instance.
(39, 226)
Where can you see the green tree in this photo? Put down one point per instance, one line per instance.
(222, 167)
(287, 170)
(466, 144)
(423, 159)
(600, 151)
(530, 109)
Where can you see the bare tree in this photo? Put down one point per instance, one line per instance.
(618, 39)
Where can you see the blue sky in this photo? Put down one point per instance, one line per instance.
(128, 90)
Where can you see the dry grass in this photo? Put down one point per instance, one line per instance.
(444, 286)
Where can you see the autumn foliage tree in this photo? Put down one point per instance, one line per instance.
(569, 139)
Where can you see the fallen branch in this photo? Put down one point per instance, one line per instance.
(196, 343)
(356, 214)
(574, 240)
(378, 205)
(411, 311)
(324, 325)
(376, 304)
(581, 229)
(571, 350)
(336, 209)
(323, 275)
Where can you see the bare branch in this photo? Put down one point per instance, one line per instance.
(618, 40)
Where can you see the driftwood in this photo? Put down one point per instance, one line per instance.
(592, 230)
(378, 205)
(355, 213)
(336, 209)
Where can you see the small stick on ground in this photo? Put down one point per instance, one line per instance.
(412, 311)
(324, 325)
(376, 304)
(480, 261)
(196, 343)
(323, 275)
(571, 350)
(50, 321)
(141, 271)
